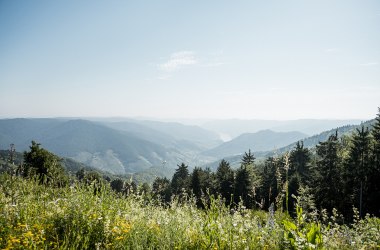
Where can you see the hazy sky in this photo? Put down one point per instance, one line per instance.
(190, 59)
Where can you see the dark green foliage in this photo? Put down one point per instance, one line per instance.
(248, 158)
(161, 190)
(328, 180)
(40, 163)
(299, 160)
(180, 180)
(117, 185)
(374, 175)
(246, 181)
(225, 180)
(357, 170)
(299, 172)
(269, 182)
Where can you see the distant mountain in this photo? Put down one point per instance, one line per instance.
(90, 143)
(232, 128)
(156, 136)
(115, 147)
(309, 142)
(314, 140)
(261, 141)
(199, 136)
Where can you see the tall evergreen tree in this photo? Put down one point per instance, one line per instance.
(374, 179)
(357, 170)
(327, 183)
(180, 180)
(299, 172)
(248, 158)
(44, 165)
(299, 160)
(225, 179)
(161, 189)
(247, 181)
(196, 184)
(269, 186)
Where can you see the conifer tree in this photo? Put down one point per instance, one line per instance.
(161, 189)
(44, 165)
(358, 170)
(247, 181)
(327, 182)
(225, 180)
(374, 177)
(180, 180)
(248, 158)
(269, 185)
(196, 184)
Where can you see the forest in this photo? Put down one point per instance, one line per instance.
(327, 197)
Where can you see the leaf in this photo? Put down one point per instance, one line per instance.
(289, 225)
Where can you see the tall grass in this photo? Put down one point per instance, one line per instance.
(33, 216)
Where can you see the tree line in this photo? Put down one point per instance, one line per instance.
(340, 173)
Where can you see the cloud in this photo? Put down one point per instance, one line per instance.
(213, 64)
(369, 64)
(178, 60)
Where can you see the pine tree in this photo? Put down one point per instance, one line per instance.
(196, 184)
(161, 190)
(44, 165)
(327, 182)
(358, 169)
(299, 172)
(299, 160)
(225, 179)
(374, 179)
(247, 181)
(269, 185)
(248, 158)
(180, 180)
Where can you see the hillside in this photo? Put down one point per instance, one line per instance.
(309, 142)
(264, 140)
(232, 128)
(89, 143)
(312, 141)
(116, 147)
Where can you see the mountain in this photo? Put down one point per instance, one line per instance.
(150, 134)
(116, 147)
(260, 141)
(309, 142)
(312, 141)
(87, 142)
(187, 133)
(232, 128)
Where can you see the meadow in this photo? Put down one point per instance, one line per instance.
(34, 216)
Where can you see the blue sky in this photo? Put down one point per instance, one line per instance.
(190, 59)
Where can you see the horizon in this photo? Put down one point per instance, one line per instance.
(244, 60)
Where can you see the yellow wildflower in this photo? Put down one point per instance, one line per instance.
(28, 234)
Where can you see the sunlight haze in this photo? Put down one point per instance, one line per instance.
(190, 59)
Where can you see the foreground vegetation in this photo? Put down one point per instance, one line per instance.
(323, 198)
(35, 216)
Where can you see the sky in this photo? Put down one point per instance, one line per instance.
(190, 59)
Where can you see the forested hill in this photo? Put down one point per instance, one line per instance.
(263, 140)
(118, 148)
(308, 142)
(312, 141)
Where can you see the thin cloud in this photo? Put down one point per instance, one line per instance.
(213, 64)
(369, 64)
(178, 60)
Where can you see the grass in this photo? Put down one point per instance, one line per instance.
(33, 216)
